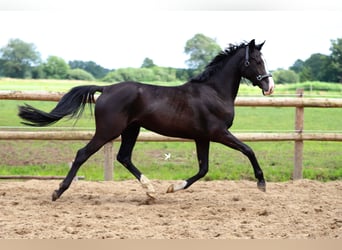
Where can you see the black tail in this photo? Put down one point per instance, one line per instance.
(72, 104)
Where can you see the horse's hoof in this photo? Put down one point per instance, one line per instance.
(176, 187)
(151, 195)
(262, 186)
(171, 189)
(55, 195)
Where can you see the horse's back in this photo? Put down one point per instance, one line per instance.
(130, 98)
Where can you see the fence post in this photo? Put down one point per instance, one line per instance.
(108, 161)
(299, 144)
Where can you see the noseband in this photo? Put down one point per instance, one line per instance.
(259, 77)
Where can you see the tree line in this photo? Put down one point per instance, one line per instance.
(19, 59)
(318, 67)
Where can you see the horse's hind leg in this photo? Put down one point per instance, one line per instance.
(128, 139)
(82, 155)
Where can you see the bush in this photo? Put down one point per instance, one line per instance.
(55, 68)
(285, 76)
(80, 74)
(153, 74)
(164, 74)
(128, 74)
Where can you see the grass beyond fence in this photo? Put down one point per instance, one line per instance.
(322, 160)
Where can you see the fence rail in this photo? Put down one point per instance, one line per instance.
(153, 137)
(298, 135)
(240, 101)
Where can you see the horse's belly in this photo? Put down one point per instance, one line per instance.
(170, 127)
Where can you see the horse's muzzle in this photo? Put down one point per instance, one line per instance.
(270, 88)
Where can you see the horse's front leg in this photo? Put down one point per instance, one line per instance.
(202, 148)
(231, 141)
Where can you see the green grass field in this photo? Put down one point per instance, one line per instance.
(322, 160)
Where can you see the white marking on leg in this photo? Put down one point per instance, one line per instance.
(176, 187)
(146, 184)
(180, 186)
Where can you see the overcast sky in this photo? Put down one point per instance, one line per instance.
(116, 36)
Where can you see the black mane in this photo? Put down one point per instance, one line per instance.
(217, 63)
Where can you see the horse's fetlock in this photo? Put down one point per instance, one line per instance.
(259, 175)
(63, 186)
(202, 173)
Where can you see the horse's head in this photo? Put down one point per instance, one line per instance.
(254, 68)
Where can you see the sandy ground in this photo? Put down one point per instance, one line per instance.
(208, 210)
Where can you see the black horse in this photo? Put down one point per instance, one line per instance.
(201, 109)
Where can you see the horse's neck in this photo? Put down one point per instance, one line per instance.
(228, 81)
(234, 85)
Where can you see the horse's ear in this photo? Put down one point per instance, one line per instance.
(258, 47)
(251, 44)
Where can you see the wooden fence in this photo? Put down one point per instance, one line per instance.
(297, 135)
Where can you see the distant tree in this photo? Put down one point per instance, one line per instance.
(318, 65)
(165, 74)
(184, 74)
(285, 76)
(159, 74)
(55, 68)
(148, 63)
(336, 57)
(305, 74)
(202, 50)
(297, 66)
(96, 70)
(38, 72)
(18, 59)
(129, 74)
(1, 67)
(80, 74)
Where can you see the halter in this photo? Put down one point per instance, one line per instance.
(259, 77)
